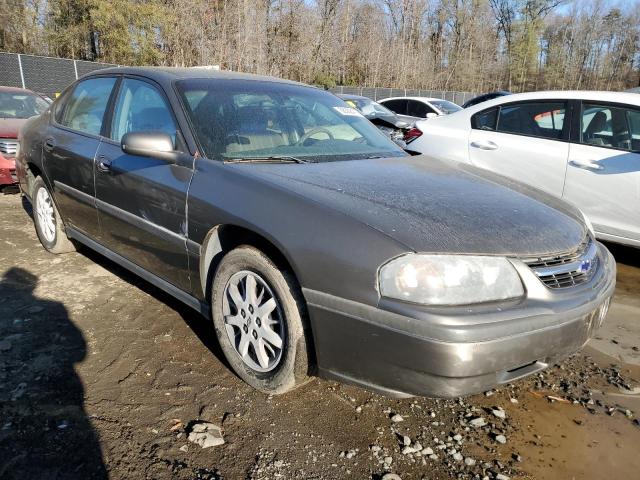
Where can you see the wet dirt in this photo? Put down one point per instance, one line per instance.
(102, 376)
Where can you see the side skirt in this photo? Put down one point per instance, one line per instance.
(201, 307)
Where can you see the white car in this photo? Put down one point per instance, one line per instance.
(579, 145)
(411, 109)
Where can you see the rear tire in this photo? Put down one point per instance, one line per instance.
(259, 317)
(47, 221)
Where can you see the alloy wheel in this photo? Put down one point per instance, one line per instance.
(253, 321)
(45, 215)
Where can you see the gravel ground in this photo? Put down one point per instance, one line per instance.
(104, 376)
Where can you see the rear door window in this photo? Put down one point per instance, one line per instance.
(85, 108)
(418, 109)
(610, 126)
(535, 119)
(397, 106)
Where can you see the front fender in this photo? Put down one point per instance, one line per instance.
(328, 251)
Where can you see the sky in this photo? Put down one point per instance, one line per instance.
(621, 4)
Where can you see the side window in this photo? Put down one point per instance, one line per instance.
(544, 119)
(485, 120)
(609, 126)
(85, 107)
(397, 106)
(141, 108)
(418, 109)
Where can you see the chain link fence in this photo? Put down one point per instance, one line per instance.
(378, 93)
(47, 75)
(51, 75)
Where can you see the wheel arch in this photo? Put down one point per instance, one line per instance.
(223, 238)
(32, 171)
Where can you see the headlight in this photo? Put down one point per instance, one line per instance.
(449, 279)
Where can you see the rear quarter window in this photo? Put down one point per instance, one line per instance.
(485, 120)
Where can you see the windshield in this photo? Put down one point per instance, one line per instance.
(255, 119)
(21, 105)
(446, 106)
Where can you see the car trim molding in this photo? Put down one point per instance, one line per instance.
(141, 223)
(74, 192)
(123, 215)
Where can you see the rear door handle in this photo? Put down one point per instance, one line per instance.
(488, 145)
(586, 165)
(49, 144)
(104, 164)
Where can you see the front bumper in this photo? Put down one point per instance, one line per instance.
(403, 350)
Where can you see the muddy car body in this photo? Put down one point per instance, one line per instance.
(406, 275)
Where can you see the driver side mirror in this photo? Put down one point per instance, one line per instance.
(431, 115)
(150, 144)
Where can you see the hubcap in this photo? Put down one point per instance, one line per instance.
(253, 321)
(45, 215)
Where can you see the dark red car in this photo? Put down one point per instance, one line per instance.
(16, 106)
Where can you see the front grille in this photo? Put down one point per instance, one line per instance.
(8, 146)
(566, 270)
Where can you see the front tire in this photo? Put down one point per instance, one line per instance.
(47, 221)
(259, 318)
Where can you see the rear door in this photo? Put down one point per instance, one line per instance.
(603, 175)
(141, 201)
(69, 149)
(527, 141)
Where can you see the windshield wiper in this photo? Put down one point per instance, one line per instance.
(267, 159)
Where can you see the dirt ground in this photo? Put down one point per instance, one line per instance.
(103, 376)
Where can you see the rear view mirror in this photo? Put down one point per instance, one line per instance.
(149, 144)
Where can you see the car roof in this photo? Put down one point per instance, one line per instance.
(496, 92)
(420, 99)
(170, 74)
(591, 95)
(17, 90)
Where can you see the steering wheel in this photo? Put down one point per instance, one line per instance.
(312, 132)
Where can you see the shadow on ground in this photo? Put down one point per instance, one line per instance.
(44, 430)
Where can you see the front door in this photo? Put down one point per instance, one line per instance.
(526, 141)
(69, 149)
(603, 176)
(141, 201)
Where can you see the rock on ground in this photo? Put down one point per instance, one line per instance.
(206, 435)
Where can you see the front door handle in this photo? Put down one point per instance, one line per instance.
(587, 165)
(482, 145)
(49, 144)
(104, 164)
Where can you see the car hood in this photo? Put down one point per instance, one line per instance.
(9, 127)
(431, 205)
